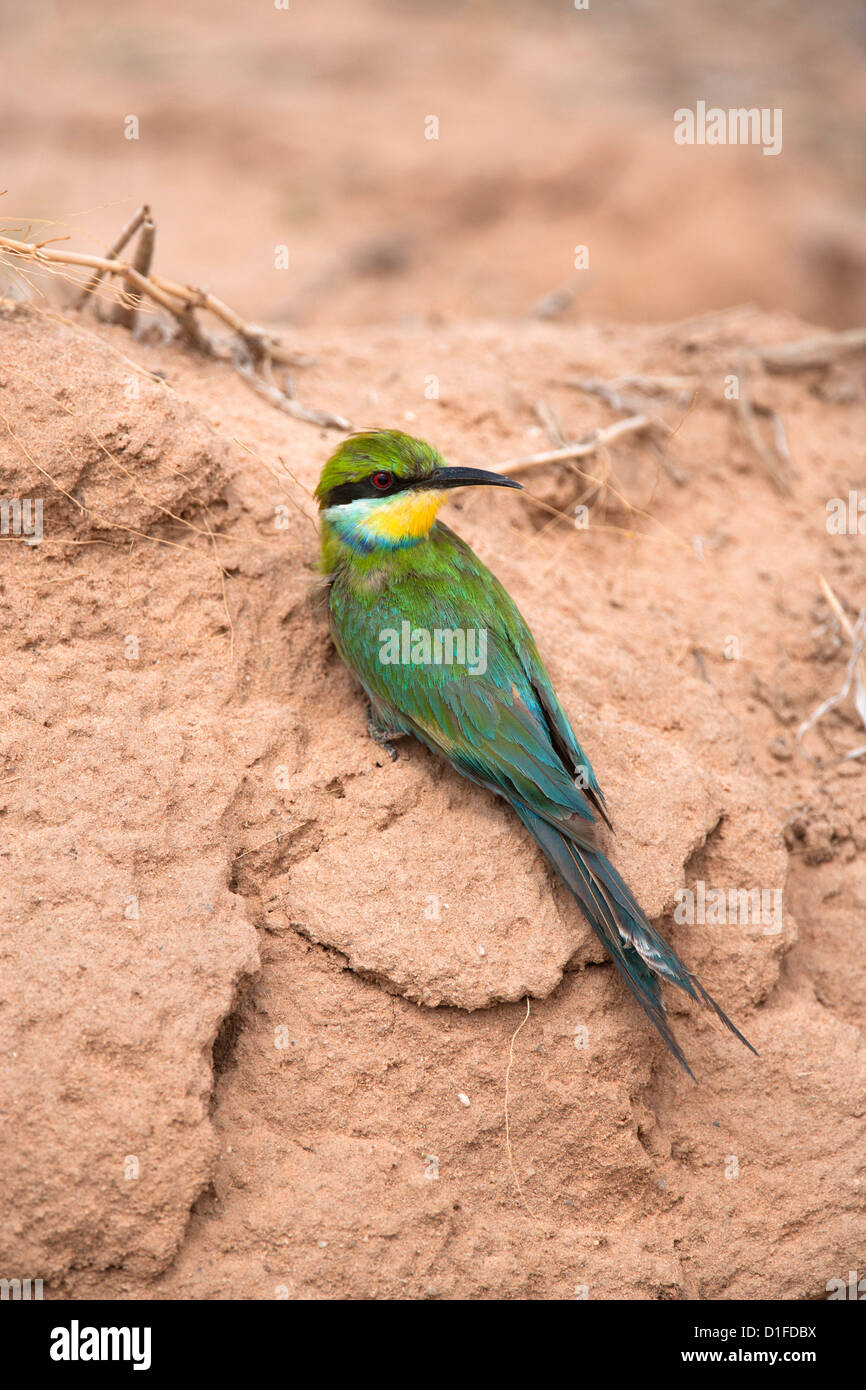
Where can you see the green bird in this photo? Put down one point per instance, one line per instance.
(443, 654)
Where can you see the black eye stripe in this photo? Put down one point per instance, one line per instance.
(350, 492)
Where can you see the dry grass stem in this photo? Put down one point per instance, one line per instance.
(251, 350)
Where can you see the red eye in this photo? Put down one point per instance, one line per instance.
(381, 481)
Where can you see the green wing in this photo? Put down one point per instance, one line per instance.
(503, 727)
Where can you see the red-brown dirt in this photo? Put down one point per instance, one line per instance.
(244, 1000)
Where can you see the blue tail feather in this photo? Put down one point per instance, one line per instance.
(639, 953)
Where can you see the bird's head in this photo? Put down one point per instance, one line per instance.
(381, 490)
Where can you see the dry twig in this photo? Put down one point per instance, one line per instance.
(599, 439)
(125, 313)
(820, 351)
(613, 393)
(113, 252)
(855, 673)
(747, 412)
(508, 1147)
(248, 348)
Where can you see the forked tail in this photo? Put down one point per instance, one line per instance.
(639, 953)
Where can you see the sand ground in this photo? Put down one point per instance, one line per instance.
(261, 987)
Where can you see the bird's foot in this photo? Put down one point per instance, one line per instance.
(382, 736)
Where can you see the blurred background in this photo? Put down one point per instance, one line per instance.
(262, 127)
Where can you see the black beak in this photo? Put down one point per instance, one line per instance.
(467, 477)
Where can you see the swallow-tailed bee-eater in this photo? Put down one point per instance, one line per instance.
(443, 654)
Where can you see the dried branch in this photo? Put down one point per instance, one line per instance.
(113, 252)
(284, 400)
(612, 393)
(249, 349)
(747, 412)
(125, 313)
(599, 439)
(855, 672)
(812, 352)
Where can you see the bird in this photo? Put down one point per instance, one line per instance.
(404, 589)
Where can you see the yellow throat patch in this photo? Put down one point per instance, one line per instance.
(408, 516)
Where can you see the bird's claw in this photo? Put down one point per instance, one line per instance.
(381, 736)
